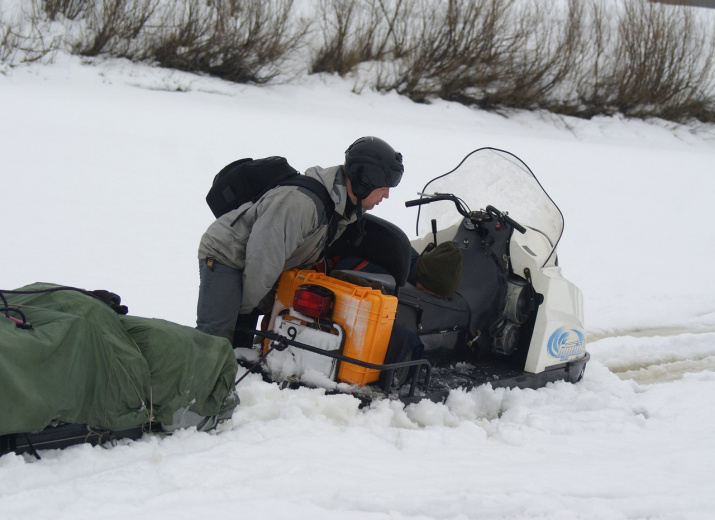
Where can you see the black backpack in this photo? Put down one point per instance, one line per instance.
(248, 180)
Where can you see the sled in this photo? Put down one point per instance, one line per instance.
(73, 370)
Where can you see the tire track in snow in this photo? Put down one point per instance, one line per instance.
(664, 372)
(651, 356)
(592, 337)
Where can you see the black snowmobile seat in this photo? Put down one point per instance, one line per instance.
(384, 244)
(431, 312)
(382, 280)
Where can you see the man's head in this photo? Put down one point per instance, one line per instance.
(372, 167)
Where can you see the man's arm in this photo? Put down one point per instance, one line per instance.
(284, 220)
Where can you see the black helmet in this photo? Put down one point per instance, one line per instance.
(371, 163)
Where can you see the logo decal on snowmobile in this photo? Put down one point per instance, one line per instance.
(565, 344)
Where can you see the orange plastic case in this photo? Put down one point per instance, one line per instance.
(366, 314)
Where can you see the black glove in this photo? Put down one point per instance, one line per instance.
(111, 299)
(244, 338)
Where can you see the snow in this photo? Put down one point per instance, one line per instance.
(105, 169)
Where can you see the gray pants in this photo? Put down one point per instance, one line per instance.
(219, 299)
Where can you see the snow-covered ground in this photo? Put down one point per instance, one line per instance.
(103, 178)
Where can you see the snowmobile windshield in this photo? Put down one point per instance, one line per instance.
(492, 177)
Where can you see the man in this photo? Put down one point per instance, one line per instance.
(244, 252)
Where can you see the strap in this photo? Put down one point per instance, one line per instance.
(313, 185)
(321, 193)
(360, 223)
(319, 189)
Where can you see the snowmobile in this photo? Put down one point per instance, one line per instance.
(514, 321)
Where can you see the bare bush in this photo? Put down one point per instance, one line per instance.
(358, 31)
(70, 9)
(489, 53)
(241, 41)
(578, 57)
(592, 77)
(456, 51)
(111, 26)
(26, 39)
(545, 49)
(647, 60)
(8, 43)
(664, 66)
(588, 59)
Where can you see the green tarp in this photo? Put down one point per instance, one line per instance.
(83, 363)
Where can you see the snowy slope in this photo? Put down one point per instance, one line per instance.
(105, 169)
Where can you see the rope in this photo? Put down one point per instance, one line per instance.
(7, 309)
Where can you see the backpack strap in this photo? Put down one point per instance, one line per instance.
(321, 194)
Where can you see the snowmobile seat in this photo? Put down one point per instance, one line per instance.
(386, 280)
(384, 245)
(438, 321)
(432, 312)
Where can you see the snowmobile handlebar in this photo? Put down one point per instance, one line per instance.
(428, 199)
(506, 218)
(490, 210)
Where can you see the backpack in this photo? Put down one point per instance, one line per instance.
(247, 180)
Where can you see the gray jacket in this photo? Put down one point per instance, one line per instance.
(281, 231)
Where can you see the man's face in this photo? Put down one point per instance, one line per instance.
(375, 198)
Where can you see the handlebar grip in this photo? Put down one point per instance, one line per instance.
(418, 202)
(521, 229)
(513, 223)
